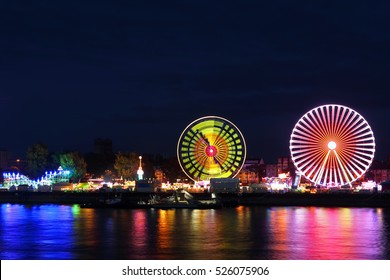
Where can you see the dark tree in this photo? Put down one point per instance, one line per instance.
(37, 160)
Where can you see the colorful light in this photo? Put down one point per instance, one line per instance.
(332, 145)
(211, 147)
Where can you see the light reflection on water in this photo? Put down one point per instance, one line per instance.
(69, 232)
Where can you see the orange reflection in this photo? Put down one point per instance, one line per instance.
(322, 233)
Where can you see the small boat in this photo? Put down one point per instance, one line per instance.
(104, 203)
(115, 202)
(181, 199)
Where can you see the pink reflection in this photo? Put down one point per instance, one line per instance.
(325, 233)
(138, 238)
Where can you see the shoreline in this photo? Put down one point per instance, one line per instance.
(381, 200)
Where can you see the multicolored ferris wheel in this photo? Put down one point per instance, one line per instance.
(332, 145)
(211, 147)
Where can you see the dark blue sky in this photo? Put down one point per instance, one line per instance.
(138, 72)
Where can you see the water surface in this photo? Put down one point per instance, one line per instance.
(277, 233)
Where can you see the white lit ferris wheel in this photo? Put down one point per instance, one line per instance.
(332, 145)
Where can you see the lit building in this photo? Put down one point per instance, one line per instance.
(379, 171)
(271, 170)
(159, 175)
(250, 172)
(285, 164)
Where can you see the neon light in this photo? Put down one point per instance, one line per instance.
(325, 129)
(48, 179)
(332, 145)
(211, 147)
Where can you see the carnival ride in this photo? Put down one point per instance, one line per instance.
(211, 147)
(332, 146)
(50, 178)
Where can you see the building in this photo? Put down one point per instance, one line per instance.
(271, 170)
(159, 175)
(285, 164)
(249, 173)
(379, 171)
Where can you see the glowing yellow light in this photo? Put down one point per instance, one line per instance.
(332, 145)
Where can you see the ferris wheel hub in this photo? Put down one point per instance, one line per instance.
(211, 151)
(332, 145)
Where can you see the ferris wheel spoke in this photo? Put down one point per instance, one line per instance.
(304, 156)
(313, 164)
(349, 126)
(318, 120)
(341, 117)
(365, 141)
(306, 143)
(353, 169)
(360, 145)
(304, 147)
(345, 171)
(306, 137)
(318, 175)
(344, 121)
(311, 124)
(354, 132)
(321, 121)
(357, 166)
(361, 158)
(306, 130)
(316, 125)
(361, 129)
(361, 150)
(334, 117)
(326, 116)
(364, 152)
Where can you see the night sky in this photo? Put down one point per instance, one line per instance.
(138, 72)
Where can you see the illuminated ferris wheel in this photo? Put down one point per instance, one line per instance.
(211, 147)
(332, 145)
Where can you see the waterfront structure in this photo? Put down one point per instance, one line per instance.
(379, 171)
(271, 170)
(285, 165)
(332, 146)
(211, 147)
(140, 172)
(50, 178)
(251, 172)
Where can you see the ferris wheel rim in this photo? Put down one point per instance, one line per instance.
(329, 120)
(204, 119)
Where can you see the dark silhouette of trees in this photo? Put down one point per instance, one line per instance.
(126, 165)
(37, 160)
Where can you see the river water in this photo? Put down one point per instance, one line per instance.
(64, 232)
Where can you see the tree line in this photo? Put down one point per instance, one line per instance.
(121, 165)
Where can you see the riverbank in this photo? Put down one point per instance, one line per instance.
(228, 200)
